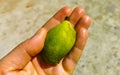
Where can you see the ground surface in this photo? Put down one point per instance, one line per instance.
(20, 19)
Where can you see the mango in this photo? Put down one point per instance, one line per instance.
(58, 43)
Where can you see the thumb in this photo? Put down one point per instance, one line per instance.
(22, 54)
(35, 44)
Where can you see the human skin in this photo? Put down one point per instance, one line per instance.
(25, 58)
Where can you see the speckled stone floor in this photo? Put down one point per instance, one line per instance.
(20, 19)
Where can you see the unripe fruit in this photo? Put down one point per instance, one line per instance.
(59, 42)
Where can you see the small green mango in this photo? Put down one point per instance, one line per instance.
(59, 42)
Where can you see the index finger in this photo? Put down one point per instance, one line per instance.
(58, 17)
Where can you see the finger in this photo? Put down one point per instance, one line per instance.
(77, 13)
(74, 55)
(58, 17)
(84, 22)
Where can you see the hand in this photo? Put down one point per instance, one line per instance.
(24, 59)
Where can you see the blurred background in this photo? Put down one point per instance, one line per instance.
(20, 19)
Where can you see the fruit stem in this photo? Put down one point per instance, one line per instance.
(67, 18)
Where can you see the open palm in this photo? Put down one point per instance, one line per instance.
(25, 58)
